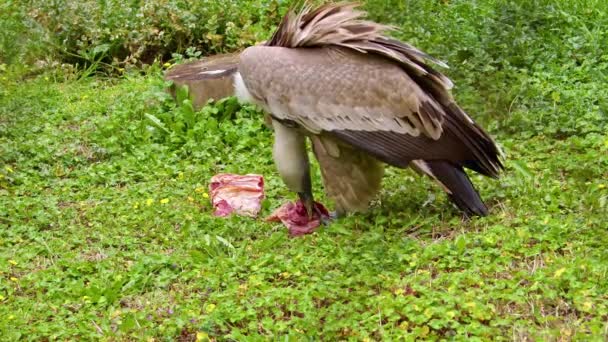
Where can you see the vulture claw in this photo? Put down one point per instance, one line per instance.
(309, 204)
(315, 209)
(327, 218)
(324, 217)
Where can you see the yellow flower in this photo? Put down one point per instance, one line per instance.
(199, 189)
(166, 65)
(136, 205)
(190, 199)
(559, 272)
(210, 308)
(149, 202)
(205, 195)
(12, 262)
(14, 279)
(202, 336)
(1, 298)
(587, 305)
(164, 201)
(601, 186)
(428, 313)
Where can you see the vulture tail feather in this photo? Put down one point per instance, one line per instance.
(457, 185)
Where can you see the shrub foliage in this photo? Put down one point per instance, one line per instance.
(551, 54)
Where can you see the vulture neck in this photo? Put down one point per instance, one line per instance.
(291, 158)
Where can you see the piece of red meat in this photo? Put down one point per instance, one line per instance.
(239, 194)
(293, 215)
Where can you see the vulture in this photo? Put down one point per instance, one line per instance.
(364, 100)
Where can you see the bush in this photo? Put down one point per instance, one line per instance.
(518, 66)
(132, 32)
(21, 39)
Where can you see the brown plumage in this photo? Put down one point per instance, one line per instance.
(363, 98)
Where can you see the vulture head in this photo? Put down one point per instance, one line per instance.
(363, 100)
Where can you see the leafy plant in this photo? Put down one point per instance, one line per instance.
(106, 229)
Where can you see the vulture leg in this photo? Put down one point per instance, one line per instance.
(291, 160)
(351, 176)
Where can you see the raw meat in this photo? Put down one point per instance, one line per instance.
(295, 218)
(231, 193)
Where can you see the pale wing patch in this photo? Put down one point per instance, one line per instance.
(211, 72)
(421, 166)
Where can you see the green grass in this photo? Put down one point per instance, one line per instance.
(106, 233)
